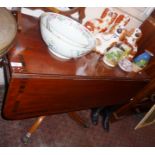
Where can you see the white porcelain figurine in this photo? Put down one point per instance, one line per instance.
(104, 41)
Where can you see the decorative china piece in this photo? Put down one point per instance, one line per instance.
(94, 24)
(8, 30)
(107, 21)
(125, 65)
(112, 57)
(105, 40)
(132, 42)
(101, 24)
(117, 52)
(143, 59)
(65, 37)
(121, 20)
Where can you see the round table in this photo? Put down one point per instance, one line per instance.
(8, 30)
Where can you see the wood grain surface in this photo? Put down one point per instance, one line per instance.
(45, 85)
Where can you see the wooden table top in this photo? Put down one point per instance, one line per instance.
(31, 50)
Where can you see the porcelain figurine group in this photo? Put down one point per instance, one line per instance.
(117, 45)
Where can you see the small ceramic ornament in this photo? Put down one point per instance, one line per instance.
(93, 25)
(106, 40)
(122, 20)
(132, 41)
(126, 65)
(117, 52)
(101, 24)
(143, 59)
(107, 21)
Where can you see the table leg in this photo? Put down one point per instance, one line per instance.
(148, 89)
(33, 128)
(78, 119)
(37, 123)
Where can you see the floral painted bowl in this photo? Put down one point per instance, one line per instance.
(65, 37)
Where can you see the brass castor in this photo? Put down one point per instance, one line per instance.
(26, 139)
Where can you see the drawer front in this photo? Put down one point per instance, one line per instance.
(34, 97)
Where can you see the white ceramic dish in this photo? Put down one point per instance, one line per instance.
(62, 44)
(58, 55)
(69, 29)
(59, 46)
(125, 65)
